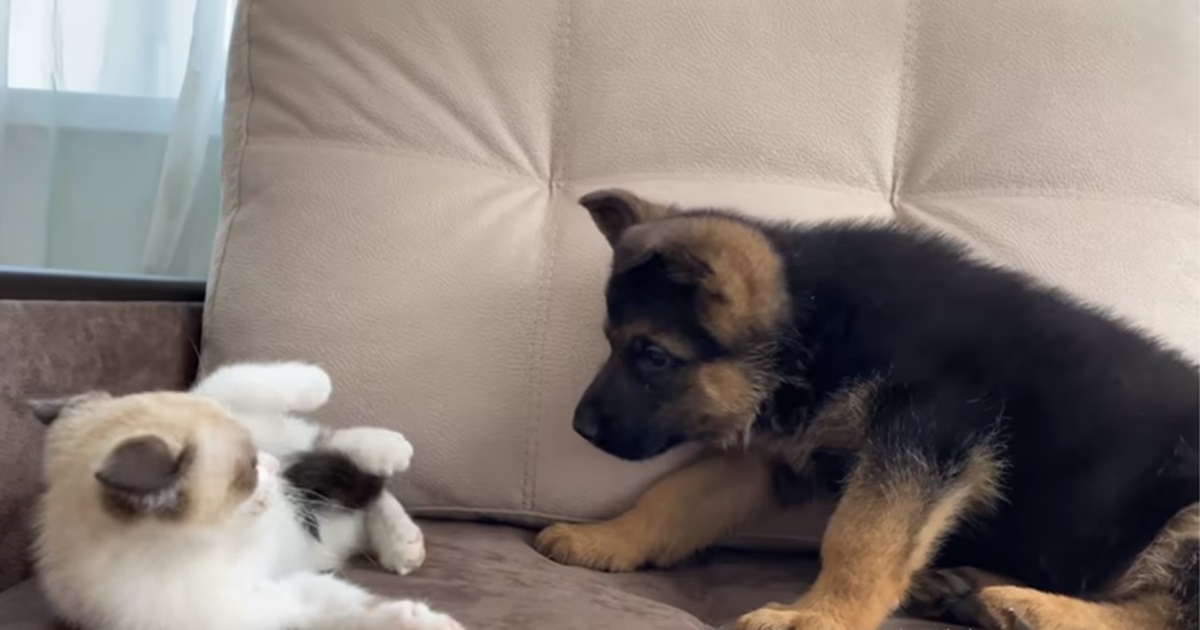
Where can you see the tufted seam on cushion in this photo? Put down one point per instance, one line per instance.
(493, 167)
(905, 99)
(766, 178)
(562, 84)
(549, 254)
(395, 150)
(1049, 193)
(221, 246)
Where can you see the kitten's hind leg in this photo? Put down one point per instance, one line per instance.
(405, 614)
(376, 451)
(394, 539)
(325, 602)
(272, 388)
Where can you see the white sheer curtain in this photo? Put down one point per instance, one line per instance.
(110, 114)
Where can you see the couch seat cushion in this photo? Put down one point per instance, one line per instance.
(490, 578)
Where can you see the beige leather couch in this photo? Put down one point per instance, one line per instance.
(399, 205)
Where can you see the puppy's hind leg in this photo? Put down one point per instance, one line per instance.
(968, 597)
(1158, 592)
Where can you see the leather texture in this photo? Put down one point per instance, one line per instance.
(400, 180)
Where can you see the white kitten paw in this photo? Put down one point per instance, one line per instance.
(308, 386)
(377, 451)
(405, 552)
(406, 614)
(396, 541)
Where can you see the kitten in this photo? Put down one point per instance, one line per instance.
(160, 513)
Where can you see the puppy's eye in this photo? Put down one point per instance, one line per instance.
(653, 358)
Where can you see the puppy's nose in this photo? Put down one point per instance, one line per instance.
(587, 422)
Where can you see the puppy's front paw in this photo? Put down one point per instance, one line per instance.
(601, 547)
(406, 614)
(783, 617)
(376, 451)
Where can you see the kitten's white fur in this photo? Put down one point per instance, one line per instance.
(257, 569)
(264, 398)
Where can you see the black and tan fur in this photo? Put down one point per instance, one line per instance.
(1002, 455)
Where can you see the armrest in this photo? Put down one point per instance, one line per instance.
(62, 333)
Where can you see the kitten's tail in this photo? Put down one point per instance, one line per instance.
(275, 388)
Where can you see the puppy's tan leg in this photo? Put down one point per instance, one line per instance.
(684, 512)
(1020, 608)
(887, 524)
(1151, 595)
(951, 595)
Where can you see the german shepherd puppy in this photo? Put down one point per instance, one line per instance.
(1002, 455)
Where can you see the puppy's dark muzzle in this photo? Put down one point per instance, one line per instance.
(589, 423)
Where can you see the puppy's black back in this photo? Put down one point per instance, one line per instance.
(1098, 422)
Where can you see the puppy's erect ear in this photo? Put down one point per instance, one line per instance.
(615, 210)
(47, 410)
(141, 475)
(666, 242)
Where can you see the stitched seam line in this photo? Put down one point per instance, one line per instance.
(561, 85)
(767, 178)
(1047, 193)
(548, 258)
(376, 149)
(236, 193)
(387, 149)
(832, 186)
(905, 98)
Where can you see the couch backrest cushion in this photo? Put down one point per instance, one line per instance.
(400, 181)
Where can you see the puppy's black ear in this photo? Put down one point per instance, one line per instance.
(615, 210)
(47, 410)
(141, 475)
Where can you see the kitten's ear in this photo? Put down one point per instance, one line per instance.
(47, 410)
(142, 475)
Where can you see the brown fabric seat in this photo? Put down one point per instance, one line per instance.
(490, 578)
